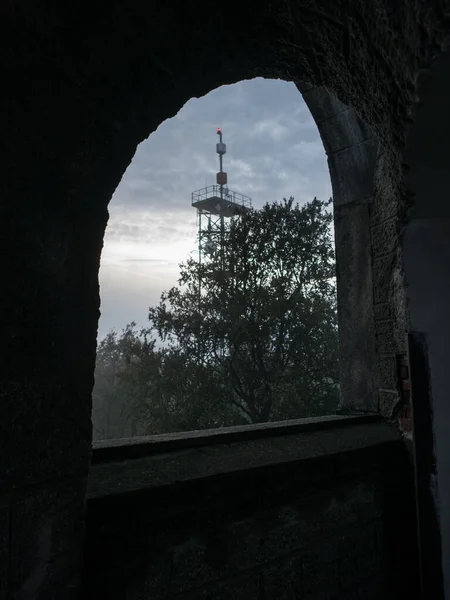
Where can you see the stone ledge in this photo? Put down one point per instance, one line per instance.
(282, 444)
(137, 447)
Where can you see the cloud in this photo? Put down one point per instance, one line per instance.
(273, 151)
(269, 128)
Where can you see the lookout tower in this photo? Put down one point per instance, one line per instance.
(214, 204)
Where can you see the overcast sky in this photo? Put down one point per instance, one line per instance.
(273, 151)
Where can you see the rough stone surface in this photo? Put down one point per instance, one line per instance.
(382, 276)
(355, 306)
(389, 400)
(385, 337)
(352, 171)
(387, 372)
(50, 446)
(382, 311)
(157, 470)
(46, 541)
(4, 549)
(389, 198)
(323, 105)
(343, 131)
(319, 527)
(385, 238)
(144, 446)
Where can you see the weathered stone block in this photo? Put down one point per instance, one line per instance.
(352, 172)
(385, 237)
(304, 87)
(400, 334)
(387, 177)
(383, 209)
(322, 103)
(47, 530)
(387, 372)
(382, 276)
(382, 311)
(385, 337)
(355, 307)
(344, 130)
(388, 401)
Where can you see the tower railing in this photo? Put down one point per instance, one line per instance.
(213, 191)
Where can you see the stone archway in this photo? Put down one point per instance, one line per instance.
(85, 85)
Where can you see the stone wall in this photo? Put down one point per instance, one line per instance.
(325, 512)
(352, 150)
(370, 208)
(426, 252)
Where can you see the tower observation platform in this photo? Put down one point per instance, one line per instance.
(216, 204)
(220, 201)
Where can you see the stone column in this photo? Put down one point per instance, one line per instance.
(352, 155)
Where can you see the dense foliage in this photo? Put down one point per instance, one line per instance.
(256, 341)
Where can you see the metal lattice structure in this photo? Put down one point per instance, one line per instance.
(215, 204)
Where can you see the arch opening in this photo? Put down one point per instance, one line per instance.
(275, 152)
(89, 152)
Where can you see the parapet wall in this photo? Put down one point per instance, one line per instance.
(322, 508)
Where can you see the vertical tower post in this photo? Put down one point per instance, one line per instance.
(214, 204)
(199, 216)
(221, 179)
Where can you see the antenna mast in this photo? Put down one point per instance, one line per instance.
(221, 179)
(215, 203)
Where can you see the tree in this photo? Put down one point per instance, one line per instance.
(126, 368)
(263, 321)
(186, 396)
(141, 390)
